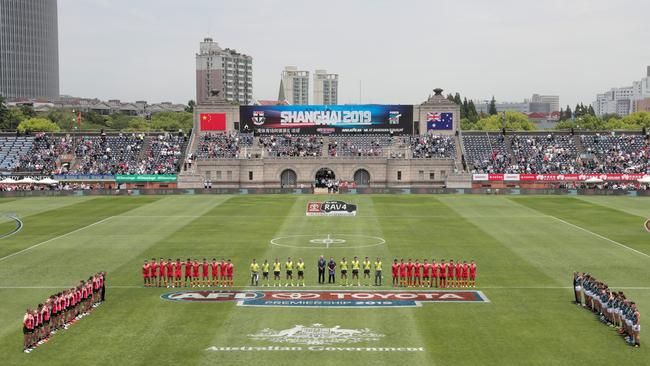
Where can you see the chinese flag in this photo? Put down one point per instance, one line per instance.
(213, 121)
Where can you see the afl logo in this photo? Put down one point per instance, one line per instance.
(647, 225)
(258, 118)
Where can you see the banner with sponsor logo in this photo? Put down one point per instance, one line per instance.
(84, 177)
(325, 119)
(146, 178)
(556, 177)
(328, 299)
(331, 208)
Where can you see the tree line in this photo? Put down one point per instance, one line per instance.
(24, 119)
(582, 117)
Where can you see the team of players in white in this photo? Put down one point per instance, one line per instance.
(612, 307)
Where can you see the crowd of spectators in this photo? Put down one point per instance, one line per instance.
(486, 153)
(44, 153)
(616, 153)
(537, 154)
(357, 145)
(163, 155)
(433, 146)
(223, 145)
(107, 154)
(557, 153)
(288, 145)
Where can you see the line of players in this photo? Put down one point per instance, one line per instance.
(61, 310)
(440, 275)
(197, 274)
(612, 307)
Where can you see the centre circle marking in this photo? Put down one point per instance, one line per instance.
(326, 241)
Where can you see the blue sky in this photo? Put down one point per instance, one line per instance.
(398, 50)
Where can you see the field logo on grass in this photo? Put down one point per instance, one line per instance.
(331, 208)
(647, 225)
(327, 299)
(316, 334)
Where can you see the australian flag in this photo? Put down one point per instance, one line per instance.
(440, 121)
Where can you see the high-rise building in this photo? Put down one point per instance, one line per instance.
(552, 100)
(29, 49)
(225, 72)
(622, 101)
(294, 86)
(326, 88)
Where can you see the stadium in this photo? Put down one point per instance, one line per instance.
(527, 210)
(236, 231)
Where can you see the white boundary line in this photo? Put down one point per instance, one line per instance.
(599, 236)
(55, 238)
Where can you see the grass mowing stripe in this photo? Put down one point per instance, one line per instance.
(52, 223)
(618, 226)
(599, 236)
(55, 238)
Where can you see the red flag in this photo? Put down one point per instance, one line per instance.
(212, 121)
(79, 119)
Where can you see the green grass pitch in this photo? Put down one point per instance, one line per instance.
(526, 249)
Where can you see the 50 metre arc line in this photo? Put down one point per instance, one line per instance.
(19, 226)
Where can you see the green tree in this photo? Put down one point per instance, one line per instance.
(463, 108)
(139, 125)
(4, 111)
(514, 121)
(591, 111)
(190, 106)
(493, 107)
(450, 97)
(38, 125)
(472, 115)
(568, 114)
(118, 121)
(466, 124)
(28, 111)
(171, 121)
(64, 118)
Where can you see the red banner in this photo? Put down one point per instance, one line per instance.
(212, 121)
(557, 177)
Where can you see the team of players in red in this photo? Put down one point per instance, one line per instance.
(197, 274)
(425, 274)
(61, 310)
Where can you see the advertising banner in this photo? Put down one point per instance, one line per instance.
(84, 177)
(324, 119)
(331, 208)
(146, 178)
(557, 177)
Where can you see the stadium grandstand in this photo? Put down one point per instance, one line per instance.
(225, 151)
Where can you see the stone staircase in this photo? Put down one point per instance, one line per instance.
(324, 149)
(145, 147)
(580, 148)
(460, 151)
(508, 144)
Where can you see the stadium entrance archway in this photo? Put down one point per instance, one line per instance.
(322, 176)
(288, 178)
(361, 178)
